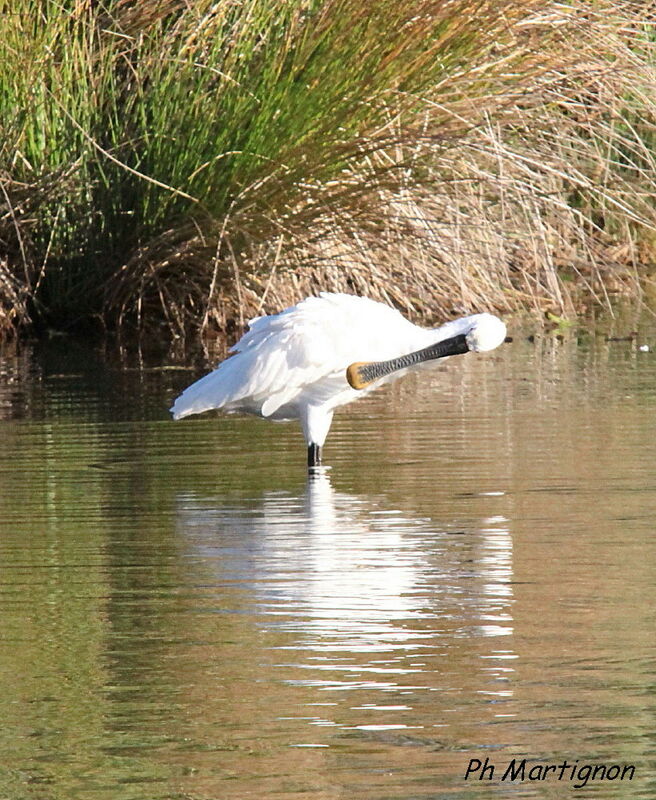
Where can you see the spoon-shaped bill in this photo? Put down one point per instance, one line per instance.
(362, 373)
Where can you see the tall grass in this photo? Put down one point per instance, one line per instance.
(192, 162)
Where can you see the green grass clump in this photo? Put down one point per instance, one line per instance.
(192, 161)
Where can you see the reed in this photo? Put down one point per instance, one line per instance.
(185, 165)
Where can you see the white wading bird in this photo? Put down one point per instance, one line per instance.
(322, 353)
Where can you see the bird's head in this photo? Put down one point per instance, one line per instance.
(485, 332)
(477, 333)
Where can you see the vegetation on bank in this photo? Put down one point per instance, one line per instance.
(186, 164)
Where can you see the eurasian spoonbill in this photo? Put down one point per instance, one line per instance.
(322, 353)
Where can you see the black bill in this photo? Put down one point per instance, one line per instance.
(362, 373)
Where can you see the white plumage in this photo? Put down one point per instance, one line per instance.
(292, 365)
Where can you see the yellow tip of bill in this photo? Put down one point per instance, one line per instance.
(354, 375)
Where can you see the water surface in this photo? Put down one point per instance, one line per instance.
(184, 615)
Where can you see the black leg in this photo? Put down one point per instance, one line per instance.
(314, 455)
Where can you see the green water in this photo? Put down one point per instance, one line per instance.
(184, 615)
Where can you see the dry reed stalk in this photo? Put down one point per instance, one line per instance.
(517, 173)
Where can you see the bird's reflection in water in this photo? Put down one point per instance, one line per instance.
(345, 573)
(361, 571)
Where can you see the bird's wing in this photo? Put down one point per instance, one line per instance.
(276, 358)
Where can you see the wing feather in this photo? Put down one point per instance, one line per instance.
(281, 355)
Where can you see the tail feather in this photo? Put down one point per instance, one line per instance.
(202, 395)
